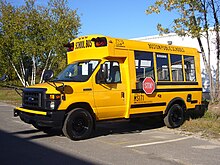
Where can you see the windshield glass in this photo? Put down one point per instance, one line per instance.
(78, 72)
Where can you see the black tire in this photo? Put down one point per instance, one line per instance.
(78, 124)
(174, 117)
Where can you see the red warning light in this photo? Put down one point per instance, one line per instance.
(100, 41)
(69, 46)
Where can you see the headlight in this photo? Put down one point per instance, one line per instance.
(53, 101)
(52, 105)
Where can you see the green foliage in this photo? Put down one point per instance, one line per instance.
(190, 20)
(32, 36)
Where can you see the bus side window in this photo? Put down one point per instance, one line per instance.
(189, 66)
(176, 67)
(144, 64)
(162, 67)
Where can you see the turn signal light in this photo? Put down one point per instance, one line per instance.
(54, 97)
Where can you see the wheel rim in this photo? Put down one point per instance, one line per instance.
(176, 116)
(80, 125)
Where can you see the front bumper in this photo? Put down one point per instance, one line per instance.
(53, 118)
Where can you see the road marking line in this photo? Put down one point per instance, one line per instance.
(160, 142)
(206, 147)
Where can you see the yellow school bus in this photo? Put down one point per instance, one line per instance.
(111, 78)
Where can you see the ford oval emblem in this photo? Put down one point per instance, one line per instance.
(30, 99)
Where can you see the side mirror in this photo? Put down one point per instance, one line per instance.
(48, 74)
(66, 89)
(102, 74)
(4, 77)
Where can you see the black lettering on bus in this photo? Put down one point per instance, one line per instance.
(88, 43)
(138, 98)
(80, 44)
(120, 43)
(83, 44)
(165, 48)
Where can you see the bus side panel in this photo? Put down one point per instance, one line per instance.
(158, 101)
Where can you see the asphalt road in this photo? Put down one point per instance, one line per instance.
(113, 143)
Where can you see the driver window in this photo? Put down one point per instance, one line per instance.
(114, 75)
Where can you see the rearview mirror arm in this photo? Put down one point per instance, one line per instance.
(16, 90)
(61, 91)
(56, 87)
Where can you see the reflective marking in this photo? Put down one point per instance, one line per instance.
(160, 142)
(206, 147)
(31, 111)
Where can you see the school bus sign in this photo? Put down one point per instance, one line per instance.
(148, 85)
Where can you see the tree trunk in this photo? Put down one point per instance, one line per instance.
(206, 27)
(16, 71)
(216, 29)
(207, 66)
(33, 72)
(22, 68)
(45, 66)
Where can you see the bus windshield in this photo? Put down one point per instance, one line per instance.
(78, 71)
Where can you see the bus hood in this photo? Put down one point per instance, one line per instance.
(61, 87)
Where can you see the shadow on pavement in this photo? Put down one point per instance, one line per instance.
(15, 150)
(37, 134)
(103, 128)
(127, 126)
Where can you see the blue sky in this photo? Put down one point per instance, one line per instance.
(116, 18)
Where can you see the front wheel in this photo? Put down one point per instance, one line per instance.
(174, 117)
(78, 124)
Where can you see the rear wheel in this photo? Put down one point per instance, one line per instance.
(174, 117)
(78, 124)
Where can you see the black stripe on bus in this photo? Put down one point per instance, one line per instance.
(194, 101)
(169, 90)
(148, 105)
(177, 83)
(148, 114)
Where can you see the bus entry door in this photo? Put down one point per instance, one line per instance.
(109, 97)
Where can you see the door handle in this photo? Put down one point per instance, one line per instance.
(122, 95)
(87, 89)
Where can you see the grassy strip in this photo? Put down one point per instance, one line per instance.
(208, 126)
(10, 96)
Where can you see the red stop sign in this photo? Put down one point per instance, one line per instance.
(148, 85)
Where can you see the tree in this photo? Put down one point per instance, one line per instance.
(195, 20)
(214, 5)
(9, 37)
(32, 36)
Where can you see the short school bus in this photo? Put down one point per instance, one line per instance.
(109, 78)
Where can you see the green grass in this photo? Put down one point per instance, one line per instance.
(208, 126)
(10, 96)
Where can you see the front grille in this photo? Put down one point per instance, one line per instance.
(33, 98)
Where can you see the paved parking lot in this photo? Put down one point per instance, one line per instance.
(113, 143)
